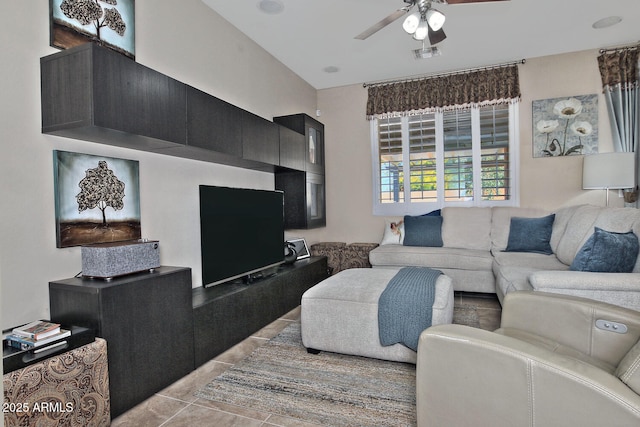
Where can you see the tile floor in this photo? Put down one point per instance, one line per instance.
(177, 406)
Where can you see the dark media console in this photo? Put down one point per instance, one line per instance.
(158, 328)
(225, 314)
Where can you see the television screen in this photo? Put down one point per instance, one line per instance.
(241, 231)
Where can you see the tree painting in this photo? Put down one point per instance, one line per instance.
(110, 23)
(97, 199)
(100, 188)
(91, 12)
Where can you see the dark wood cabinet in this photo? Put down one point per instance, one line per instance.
(147, 321)
(260, 139)
(313, 131)
(93, 93)
(292, 149)
(228, 313)
(294, 186)
(315, 200)
(304, 199)
(213, 124)
(304, 192)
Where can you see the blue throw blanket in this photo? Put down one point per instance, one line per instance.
(405, 306)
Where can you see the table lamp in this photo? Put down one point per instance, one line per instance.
(608, 171)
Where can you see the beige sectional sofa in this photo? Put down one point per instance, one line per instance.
(473, 253)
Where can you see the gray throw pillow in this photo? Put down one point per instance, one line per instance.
(531, 235)
(607, 252)
(423, 231)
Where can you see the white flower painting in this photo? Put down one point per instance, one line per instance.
(565, 126)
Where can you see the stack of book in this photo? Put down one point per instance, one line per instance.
(36, 334)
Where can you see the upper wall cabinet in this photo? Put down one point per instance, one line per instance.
(93, 93)
(260, 139)
(304, 192)
(292, 149)
(313, 131)
(213, 124)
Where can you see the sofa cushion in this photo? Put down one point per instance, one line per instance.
(607, 252)
(529, 259)
(560, 223)
(467, 228)
(423, 231)
(530, 234)
(578, 229)
(513, 269)
(438, 258)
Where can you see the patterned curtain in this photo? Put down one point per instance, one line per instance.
(619, 72)
(473, 88)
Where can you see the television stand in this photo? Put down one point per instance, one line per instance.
(225, 314)
(260, 275)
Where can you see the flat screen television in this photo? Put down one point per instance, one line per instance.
(241, 231)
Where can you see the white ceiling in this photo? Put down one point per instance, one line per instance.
(311, 35)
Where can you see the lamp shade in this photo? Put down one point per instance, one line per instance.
(608, 171)
(435, 18)
(410, 24)
(422, 31)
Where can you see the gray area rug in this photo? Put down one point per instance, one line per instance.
(466, 315)
(329, 389)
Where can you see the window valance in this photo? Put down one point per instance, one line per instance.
(619, 67)
(486, 86)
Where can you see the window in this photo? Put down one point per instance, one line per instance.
(460, 157)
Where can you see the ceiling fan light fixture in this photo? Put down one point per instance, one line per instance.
(435, 18)
(410, 24)
(422, 31)
(427, 52)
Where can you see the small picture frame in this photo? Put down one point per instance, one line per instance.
(301, 248)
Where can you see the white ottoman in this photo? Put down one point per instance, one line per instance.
(340, 314)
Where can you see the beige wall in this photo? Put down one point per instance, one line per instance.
(191, 43)
(552, 182)
(544, 182)
(185, 40)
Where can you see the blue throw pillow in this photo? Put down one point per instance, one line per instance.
(531, 235)
(423, 231)
(437, 212)
(607, 252)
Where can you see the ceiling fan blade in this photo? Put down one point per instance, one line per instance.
(380, 25)
(436, 37)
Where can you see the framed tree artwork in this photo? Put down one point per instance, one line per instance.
(97, 199)
(108, 22)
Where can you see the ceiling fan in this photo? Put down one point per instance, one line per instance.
(425, 23)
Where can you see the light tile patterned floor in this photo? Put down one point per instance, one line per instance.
(177, 406)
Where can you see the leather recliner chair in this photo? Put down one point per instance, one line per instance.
(555, 361)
